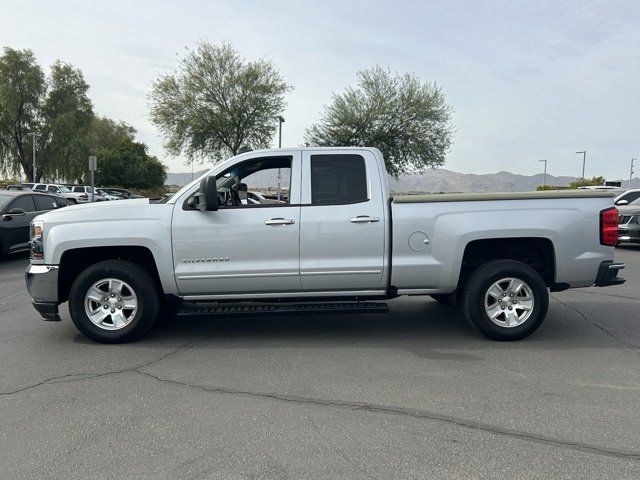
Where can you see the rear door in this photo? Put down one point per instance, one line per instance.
(342, 225)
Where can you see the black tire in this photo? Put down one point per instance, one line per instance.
(449, 299)
(72, 201)
(142, 283)
(473, 300)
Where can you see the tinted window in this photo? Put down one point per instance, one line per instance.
(45, 202)
(338, 179)
(631, 197)
(25, 202)
(40, 187)
(78, 189)
(53, 188)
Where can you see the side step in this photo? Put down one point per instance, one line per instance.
(238, 309)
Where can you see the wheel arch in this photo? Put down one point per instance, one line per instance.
(537, 252)
(75, 260)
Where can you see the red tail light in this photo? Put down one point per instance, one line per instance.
(609, 226)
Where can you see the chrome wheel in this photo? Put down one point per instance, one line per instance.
(111, 304)
(509, 302)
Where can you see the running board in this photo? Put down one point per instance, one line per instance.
(238, 309)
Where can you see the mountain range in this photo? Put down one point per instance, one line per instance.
(437, 180)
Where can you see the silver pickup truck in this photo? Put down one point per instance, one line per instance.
(331, 240)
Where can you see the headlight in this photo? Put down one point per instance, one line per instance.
(36, 243)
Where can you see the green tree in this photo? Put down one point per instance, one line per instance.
(587, 182)
(22, 88)
(67, 114)
(407, 119)
(217, 102)
(109, 134)
(129, 165)
(57, 108)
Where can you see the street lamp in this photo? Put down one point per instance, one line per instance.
(584, 159)
(544, 175)
(280, 122)
(33, 144)
(633, 160)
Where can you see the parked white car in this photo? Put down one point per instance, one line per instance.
(627, 197)
(61, 190)
(99, 197)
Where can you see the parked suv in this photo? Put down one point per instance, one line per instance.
(61, 190)
(629, 228)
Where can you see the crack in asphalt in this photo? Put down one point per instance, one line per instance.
(10, 297)
(605, 294)
(594, 324)
(407, 412)
(74, 377)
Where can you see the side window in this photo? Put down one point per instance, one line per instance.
(632, 197)
(25, 202)
(338, 179)
(78, 189)
(53, 188)
(45, 202)
(260, 182)
(40, 187)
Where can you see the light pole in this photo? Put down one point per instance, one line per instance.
(544, 175)
(33, 145)
(280, 122)
(633, 160)
(584, 159)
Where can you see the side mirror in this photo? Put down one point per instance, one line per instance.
(622, 202)
(208, 195)
(14, 212)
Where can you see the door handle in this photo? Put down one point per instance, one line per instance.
(280, 221)
(364, 219)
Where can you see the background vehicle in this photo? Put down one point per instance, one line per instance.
(627, 197)
(123, 192)
(17, 209)
(61, 190)
(107, 196)
(629, 229)
(18, 187)
(85, 190)
(338, 240)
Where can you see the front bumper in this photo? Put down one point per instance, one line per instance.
(42, 284)
(608, 274)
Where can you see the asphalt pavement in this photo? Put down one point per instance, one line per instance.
(415, 393)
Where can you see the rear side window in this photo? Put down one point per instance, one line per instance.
(25, 202)
(53, 188)
(45, 202)
(338, 179)
(40, 187)
(78, 189)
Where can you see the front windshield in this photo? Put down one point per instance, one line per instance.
(4, 199)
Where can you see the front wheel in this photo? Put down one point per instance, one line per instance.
(505, 300)
(114, 301)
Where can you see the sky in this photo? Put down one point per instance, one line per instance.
(526, 80)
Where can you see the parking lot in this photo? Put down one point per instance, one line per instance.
(415, 393)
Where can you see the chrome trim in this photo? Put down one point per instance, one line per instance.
(247, 296)
(616, 266)
(42, 283)
(364, 219)
(280, 221)
(341, 272)
(624, 238)
(237, 275)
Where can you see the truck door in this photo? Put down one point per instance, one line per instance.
(251, 244)
(342, 224)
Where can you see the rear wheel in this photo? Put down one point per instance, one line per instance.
(505, 300)
(114, 301)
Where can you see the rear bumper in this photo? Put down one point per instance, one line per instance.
(42, 284)
(608, 274)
